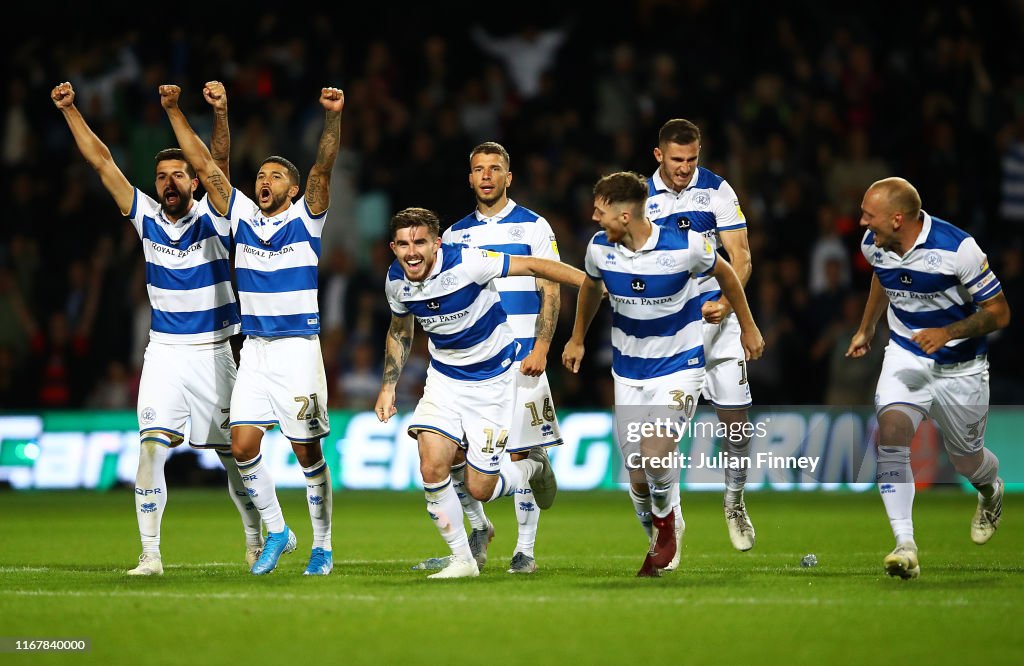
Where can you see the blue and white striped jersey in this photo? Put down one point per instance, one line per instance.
(188, 274)
(514, 230)
(939, 281)
(276, 262)
(657, 328)
(461, 313)
(707, 205)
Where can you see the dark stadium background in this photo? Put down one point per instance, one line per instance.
(802, 105)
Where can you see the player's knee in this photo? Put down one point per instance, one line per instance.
(480, 489)
(434, 471)
(895, 428)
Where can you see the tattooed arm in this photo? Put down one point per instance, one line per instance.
(318, 187)
(536, 362)
(397, 346)
(220, 143)
(218, 189)
(993, 315)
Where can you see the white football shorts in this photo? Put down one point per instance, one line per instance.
(183, 382)
(477, 416)
(281, 381)
(726, 384)
(955, 395)
(671, 397)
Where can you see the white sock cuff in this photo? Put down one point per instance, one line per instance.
(245, 466)
(315, 469)
(894, 455)
(437, 487)
(987, 471)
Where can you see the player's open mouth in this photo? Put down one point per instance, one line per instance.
(413, 263)
(264, 194)
(171, 196)
(487, 189)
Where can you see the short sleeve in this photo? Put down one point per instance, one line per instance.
(543, 243)
(143, 206)
(482, 266)
(589, 264)
(974, 272)
(391, 287)
(702, 255)
(726, 206)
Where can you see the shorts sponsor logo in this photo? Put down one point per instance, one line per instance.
(546, 429)
(314, 424)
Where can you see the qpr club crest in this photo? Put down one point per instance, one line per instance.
(148, 415)
(516, 233)
(932, 260)
(433, 305)
(666, 261)
(683, 223)
(449, 281)
(906, 280)
(638, 285)
(702, 199)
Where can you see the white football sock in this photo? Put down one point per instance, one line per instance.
(246, 508)
(472, 507)
(514, 476)
(260, 487)
(151, 489)
(642, 506)
(735, 479)
(896, 485)
(446, 511)
(528, 516)
(320, 498)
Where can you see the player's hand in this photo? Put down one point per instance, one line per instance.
(753, 343)
(715, 312)
(385, 408)
(169, 95)
(535, 363)
(931, 340)
(860, 344)
(216, 95)
(572, 355)
(63, 95)
(332, 99)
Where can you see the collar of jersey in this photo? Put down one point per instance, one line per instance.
(926, 229)
(502, 214)
(652, 242)
(660, 186)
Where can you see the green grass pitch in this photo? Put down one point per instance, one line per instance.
(63, 558)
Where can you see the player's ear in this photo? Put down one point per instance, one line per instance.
(657, 154)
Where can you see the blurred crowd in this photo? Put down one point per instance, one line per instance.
(801, 109)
